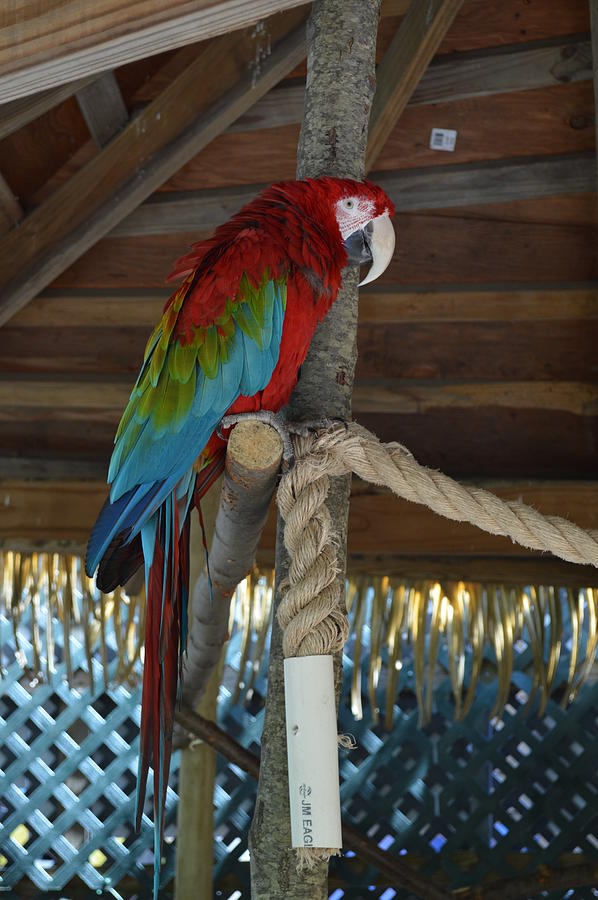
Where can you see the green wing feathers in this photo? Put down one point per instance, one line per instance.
(199, 372)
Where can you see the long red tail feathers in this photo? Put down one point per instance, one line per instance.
(165, 635)
(165, 639)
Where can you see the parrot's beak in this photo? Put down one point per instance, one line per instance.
(374, 243)
(379, 236)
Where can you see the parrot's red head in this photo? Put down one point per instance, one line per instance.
(363, 212)
(355, 215)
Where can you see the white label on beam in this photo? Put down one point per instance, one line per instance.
(443, 139)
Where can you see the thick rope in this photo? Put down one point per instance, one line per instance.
(310, 613)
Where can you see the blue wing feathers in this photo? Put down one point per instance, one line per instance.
(152, 464)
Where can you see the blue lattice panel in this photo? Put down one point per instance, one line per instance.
(68, 762)
(462, 799)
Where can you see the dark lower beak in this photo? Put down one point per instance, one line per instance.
(358, 246)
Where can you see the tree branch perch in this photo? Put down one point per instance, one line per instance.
(252, 463)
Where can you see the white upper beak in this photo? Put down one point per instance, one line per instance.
(382, 245)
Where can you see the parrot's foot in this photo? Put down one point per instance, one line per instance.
(275, 420)
(305, 428)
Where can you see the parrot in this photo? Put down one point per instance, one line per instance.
(231, 341)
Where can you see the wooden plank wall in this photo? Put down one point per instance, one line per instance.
(478, 348)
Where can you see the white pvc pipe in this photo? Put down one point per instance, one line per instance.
(312, 752)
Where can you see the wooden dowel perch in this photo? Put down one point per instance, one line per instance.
(252, 463)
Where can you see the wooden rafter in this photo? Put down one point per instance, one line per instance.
(11, 212)
(103, 108)
(58, 44)
(525, 68)
(158, 142)
(18, 113)
(379, 523)
(404, 63)
(76, 400)
(436, 187)
(141, 309)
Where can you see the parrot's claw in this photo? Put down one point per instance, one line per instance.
(275, 420)
(303, 429)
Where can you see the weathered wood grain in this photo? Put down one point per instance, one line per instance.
(534, 123)
(11, 212)
(103, 108)
(498, 23)
(404, 63)
(402, 396)
(31, 156)
(483, 442)
(140, 158)
(547, 121)
(379, 524)
(493, 23)
(124, 309)
(141, 309)
(432, 249)
(74, 350)
(449, 250)
(48, 44)
(561, 209)
(522, 69)
(413, 189)
(71, 399)
(532, 351)
(491, 570)
(18, 113)
(508, 304)
(495, 350)
(500, 71)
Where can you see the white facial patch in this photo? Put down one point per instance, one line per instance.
(353, 213)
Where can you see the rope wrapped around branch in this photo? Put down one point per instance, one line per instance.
(310, 613)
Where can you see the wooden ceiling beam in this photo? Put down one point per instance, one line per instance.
(11, 212)
(103, 108)
(172, 129)
(379, 524)
(58, 44)
(18, 113)
(404, 63)
(523, 68)
(490, 570)
(128, 309)
(27, 397)
(435, 187)
(580, 399)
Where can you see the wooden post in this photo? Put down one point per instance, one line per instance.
(341, 39)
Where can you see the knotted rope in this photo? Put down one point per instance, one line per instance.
(310, 612)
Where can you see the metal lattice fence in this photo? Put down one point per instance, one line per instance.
(463, 799)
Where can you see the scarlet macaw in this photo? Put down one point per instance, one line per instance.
(231, 340)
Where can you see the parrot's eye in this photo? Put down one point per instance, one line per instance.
(349, 203)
